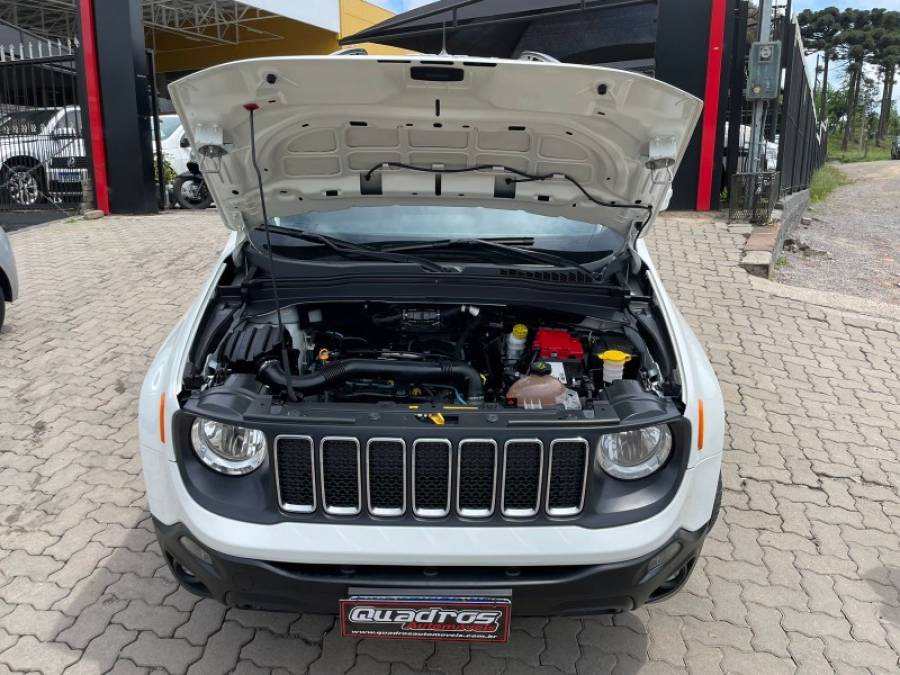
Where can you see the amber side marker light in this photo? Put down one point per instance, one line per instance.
(162, 418)
(700, 424)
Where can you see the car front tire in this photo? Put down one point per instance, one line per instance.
(2, 307)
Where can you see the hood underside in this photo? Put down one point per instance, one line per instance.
(334, 132)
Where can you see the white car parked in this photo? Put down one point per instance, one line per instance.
(483, 402)
(9, 278)
(175, 146)
(42, 155)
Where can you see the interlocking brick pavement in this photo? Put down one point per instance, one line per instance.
(800, 574)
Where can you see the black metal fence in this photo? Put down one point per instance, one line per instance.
(803, 141)
(42, 149)
(790, 146)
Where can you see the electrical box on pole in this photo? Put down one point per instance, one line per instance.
(764, 77)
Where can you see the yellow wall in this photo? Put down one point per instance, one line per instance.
(357, 15)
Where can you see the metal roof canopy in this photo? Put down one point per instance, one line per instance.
(585, 31)
(215, 22)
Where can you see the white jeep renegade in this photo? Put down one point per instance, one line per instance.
(434, 380)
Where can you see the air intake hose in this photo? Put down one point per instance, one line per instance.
(272, 374)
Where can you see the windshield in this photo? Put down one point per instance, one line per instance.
(376, 224)
(27, 123)
(167, 125)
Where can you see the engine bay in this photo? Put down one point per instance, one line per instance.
(450, 355)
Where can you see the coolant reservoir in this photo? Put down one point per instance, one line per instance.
(613, 364)
(537, 391)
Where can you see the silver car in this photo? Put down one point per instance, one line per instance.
(9, 279)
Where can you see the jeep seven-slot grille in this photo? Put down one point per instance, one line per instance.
(294, 468)
(386, 462)
(432, 477)
(476, 478)
(340, 476)
(522, 464)
(568, 470)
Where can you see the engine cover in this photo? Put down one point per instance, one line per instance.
(557, 344)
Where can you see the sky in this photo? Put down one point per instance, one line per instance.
(398, 6)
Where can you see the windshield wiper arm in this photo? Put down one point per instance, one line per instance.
(502, 245)
(344, 246)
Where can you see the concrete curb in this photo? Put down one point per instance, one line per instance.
(849, 304)
(763, 247)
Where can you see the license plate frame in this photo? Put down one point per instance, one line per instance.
(385, 616)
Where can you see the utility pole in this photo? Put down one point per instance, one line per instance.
(757, 131)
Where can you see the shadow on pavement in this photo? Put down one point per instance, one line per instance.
(11, 221)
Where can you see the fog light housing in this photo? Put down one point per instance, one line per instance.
(656, 562)
(226, 448)
(634, 454)
(195, 550)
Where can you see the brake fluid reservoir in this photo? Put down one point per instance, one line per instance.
(613, 364)
(515, 342)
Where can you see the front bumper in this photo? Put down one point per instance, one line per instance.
(542, 590)
(339, 543)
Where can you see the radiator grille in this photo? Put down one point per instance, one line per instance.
(386, 462)
(476, 477)
(294, 469)
(568, 470)
(431, 478)
(522, 466)
(340, 476)
(334, 475)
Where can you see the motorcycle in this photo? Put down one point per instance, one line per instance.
(190, 189)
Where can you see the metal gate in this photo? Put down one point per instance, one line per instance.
(42, 148)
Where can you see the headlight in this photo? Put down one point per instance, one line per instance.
(634, 454)
(227, 448)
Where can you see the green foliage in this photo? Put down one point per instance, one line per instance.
(853, 153)
(168, 172)
(857, 37)
(825, 181)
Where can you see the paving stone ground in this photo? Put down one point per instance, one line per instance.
(800, 574)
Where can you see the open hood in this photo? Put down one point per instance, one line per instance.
(332, 132)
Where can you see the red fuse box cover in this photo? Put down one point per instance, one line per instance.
(557, 344)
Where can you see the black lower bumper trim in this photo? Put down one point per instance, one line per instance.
(535, 591)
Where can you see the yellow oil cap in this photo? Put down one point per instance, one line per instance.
(520, 331)
(615, 356)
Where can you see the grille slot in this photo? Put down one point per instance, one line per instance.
(386, 478)
(567, 476)
(523, 460)
(476, 477)
(431, 477)
(339, 465)
(294, 473)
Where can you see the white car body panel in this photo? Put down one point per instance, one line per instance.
(173, 153)
(334, 543)
(215, 98)
(8, 265)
